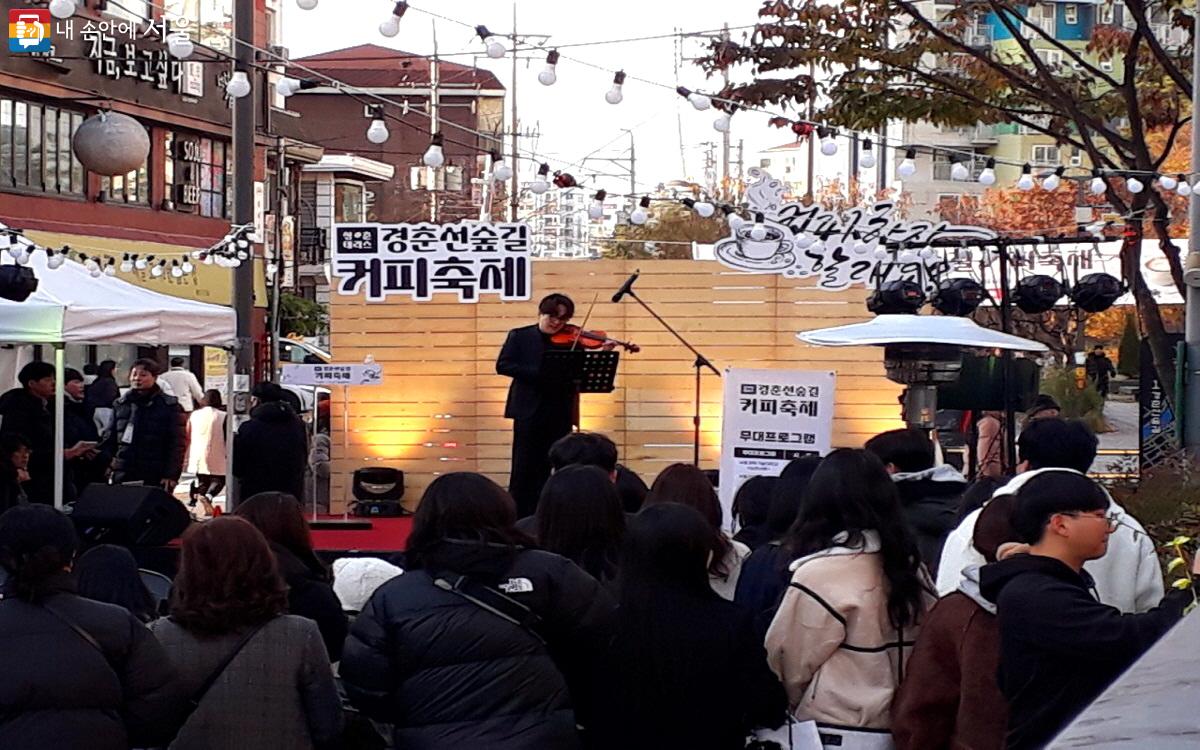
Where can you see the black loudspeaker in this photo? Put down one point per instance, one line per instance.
(377, 491)
(980, 385)
(129, 515)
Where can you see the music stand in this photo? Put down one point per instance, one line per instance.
(590, 371)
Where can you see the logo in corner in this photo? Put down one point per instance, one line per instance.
(29, 30)
(516, 586)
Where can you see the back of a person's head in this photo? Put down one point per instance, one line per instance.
(108, 573)
(587, 448)
(579, 516)
(462, 506)
(666, 549)
(37, 545)
(267, 392)
(90, 369)
(631, 489)
(176, 361)
(212, 397)
(280, 518)
(908, 450)
(228, 578)
(106, 369)
(1050, 493)
(688, 485)
(35, 371)
(1043, 404)
(752, 502)
(851, 494)
(994, 527)
(1056, 443)
(788, 493)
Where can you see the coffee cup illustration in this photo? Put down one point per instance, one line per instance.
(760, 249)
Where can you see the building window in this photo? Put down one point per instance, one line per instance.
(128, 188)
(197, 172)
(1071, 13)
(210, 22)
(1040, 15)
(35, 148)
(1106, 66)
(348, 203)
(1045, 156)
(1108, 13)
(1053, 58)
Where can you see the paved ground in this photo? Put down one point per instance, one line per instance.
(1123, 415)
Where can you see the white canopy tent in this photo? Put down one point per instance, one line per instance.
(71, 306)
(913, 329)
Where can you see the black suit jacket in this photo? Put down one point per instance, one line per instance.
(521, 359)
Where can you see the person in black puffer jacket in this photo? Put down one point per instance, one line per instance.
(147, 436)
(310, 593)
(270, 451)
(448, 673)
(61, 690)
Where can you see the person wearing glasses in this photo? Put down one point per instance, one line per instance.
(1059, 646)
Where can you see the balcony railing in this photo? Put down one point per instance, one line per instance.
(978, 35)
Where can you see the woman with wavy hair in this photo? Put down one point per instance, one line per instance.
(268, 679)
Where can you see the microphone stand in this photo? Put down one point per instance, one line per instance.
(700, 363)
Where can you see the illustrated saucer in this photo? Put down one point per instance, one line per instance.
(729, 252)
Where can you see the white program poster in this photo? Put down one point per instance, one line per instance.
(769, 418)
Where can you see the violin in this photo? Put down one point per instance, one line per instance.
(573, 335)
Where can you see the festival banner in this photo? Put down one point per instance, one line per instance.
(769, 418)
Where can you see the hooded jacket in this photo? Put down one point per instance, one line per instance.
(1128, 577)
(832, 643)
(270, 451)
(447, 673)
(147, 437)
(1059, 647)
(929, 500)
(310, 595)
(949, 699)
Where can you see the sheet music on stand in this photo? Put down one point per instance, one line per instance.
(595, 371)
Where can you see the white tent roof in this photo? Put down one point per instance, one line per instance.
(915, 329)
(70, 306)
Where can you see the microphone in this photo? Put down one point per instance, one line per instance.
(626, 288)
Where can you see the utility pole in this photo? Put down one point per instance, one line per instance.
(514, 188)
(1190, 411)
(435, 81)
(726, 182)
(812, 72)
(633, 165)
(243, 195)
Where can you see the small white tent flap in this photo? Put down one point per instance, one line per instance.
(906, 329)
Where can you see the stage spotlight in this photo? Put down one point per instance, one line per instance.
(1037, 294)
(957, 297)
(17, 283)
(1096, 292)
(896, 298)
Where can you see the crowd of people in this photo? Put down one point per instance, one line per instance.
(611, 616)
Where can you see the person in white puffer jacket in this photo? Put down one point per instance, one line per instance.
(1128, 577)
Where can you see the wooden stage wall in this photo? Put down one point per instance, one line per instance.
(441, 406)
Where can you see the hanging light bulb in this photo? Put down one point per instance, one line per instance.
(549, 74)
(1052, 181)
(434, 156)
(23, 257)
(987, 177)
(126, 264)
(62, 8)
(158, 270)
(1167, 182)
(238, 85)
(180, 45)
(695, 98)
(91, 265)
(272, 269)
(828, 145)
(377, 132)
(1098, 186)
(866, 158)
(140, 263)
(640, 215)
(732, 218)
(703, 208)
(186, 266)
(391, 27)
(614, 95)
(541, 184)
(908, 166)
(758, 232)
(285, 87)
(495, 47)
(959, 171)
(501, 172)
(1196, 188)
(55, 260)
(724, 121)
(176, 271)
(1134, 185)
(1182, 187)
(207, 259)
(306, 4)
(110, 268)
(596, 210)
(1026, 180)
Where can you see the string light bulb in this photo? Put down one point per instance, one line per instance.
(640, 214)
(615, 95)
(549, 74)
(23, 257)
(541, 183)
(1098, 186)
(285, 87)
(176, 271)
(866, 158)
(501, 172)
(1182, 187)
(391, 27)
(186, 266)
(180, 45)
(1167, 182)
(699, 101)
(703, 208)
(434, 155)
(758, 232)
(828, 144)
(110, 267)
(92, 266)
(908, 166)
(377, 132)
(306, 4)
(724, 121)
(140, 263)
(1053, 180)
(238, 85)
(62, 8)
(126, 264)
(1025, 182)
(158, 270)
(732, 218)
(596, 210)
(959, 171)
(495, 47)
(987, 177)
(1134, 185)
(55, 260)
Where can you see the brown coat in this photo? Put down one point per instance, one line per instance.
(950, 699)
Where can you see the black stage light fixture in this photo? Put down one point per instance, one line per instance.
(1037, 293)
(958, 297)
(1096, 292)
(896, 298)
(17, 283)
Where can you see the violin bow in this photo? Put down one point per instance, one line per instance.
(583, 325)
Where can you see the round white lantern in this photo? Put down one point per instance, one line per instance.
(111, 143)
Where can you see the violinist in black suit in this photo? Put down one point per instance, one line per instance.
(542, 411)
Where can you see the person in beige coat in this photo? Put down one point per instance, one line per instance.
(852, 610)
(206, 450)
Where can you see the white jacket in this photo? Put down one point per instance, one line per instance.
(1128, 577)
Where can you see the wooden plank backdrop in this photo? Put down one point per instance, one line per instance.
(441, 406)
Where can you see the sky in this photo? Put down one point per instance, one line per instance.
(572, 118)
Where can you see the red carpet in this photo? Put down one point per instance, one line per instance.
(385, 535)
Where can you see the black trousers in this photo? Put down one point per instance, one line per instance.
(532, 438)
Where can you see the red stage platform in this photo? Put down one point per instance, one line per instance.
(385, 535)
